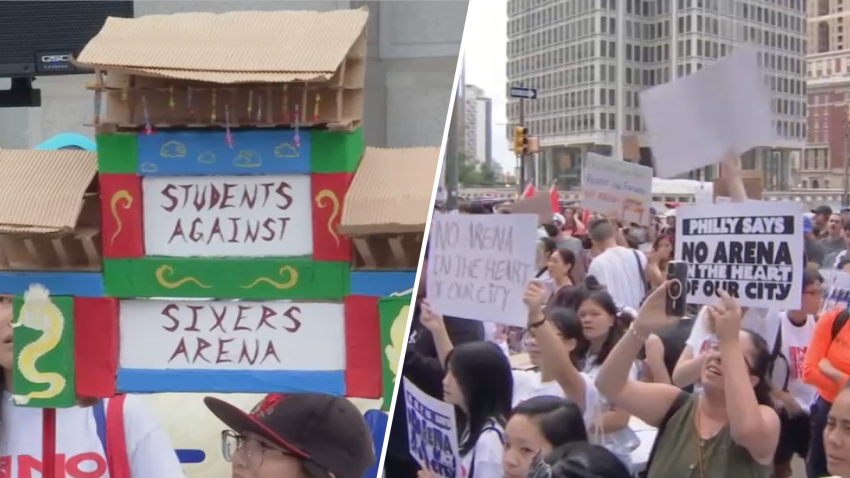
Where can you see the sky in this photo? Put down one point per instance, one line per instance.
(485, 40)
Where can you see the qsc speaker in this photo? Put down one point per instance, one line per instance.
(39, 38)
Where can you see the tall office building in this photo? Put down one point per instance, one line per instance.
(478, 143)
(590, 59)
(822, 165)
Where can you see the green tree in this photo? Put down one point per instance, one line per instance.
(467, 171)
(488, 174)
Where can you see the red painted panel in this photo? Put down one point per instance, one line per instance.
(121, 215)
(95, 345)
(362, 347)
(328, 197)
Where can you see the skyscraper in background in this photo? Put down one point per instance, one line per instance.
(589, 60)
(478, 143)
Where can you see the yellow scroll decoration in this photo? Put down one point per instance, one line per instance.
(320, 201)
(125, 200)
(285, 271)
(166, 269)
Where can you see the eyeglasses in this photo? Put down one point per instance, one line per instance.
(254, 450)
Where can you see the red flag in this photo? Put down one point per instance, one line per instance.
(530, 191)
(553, 197)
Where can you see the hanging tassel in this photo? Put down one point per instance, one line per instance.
(228, 137)
(250, 102)
(316, 108)
(259, 108)
(189, 100)
(171, 97)
(98, 100)
(148, 125)
(297, 138)
(212, 116)
(284, 106)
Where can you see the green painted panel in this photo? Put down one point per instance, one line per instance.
(43, 367)
(117, 153)
(394, 312)
(226, 278)
(336, 151)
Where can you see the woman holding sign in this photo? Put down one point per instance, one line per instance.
(731, 429)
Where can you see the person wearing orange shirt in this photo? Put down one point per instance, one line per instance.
(826, 366)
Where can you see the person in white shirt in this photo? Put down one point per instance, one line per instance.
(793, 396)
(149, 450)
(537, 426)
(478, 381)
(620, 269)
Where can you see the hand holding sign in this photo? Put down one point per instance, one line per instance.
(652, 315)
(430, 319)
(726, 315)
(535, 296)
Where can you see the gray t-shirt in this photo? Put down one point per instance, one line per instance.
(831, 246)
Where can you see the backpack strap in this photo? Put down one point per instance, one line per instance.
(839, 323)
(776, 356)
(116, 439)
(677, 405)
(471, 473)
(642, 273)
(100, 424)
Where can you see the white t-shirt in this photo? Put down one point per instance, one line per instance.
(617, 269)
(795, 342)
(621, 442)
(527, 385)
(149, 450)
(487, 453)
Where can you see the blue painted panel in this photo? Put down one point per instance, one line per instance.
(137, 380)
(83, 284)
(382, 283)
(191, 456)
(200, 153)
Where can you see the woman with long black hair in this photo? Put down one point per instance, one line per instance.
(538, 425)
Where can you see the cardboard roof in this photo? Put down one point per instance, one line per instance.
(233, 47)
(42, 190)
(391, 191)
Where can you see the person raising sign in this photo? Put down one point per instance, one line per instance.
(731, 429)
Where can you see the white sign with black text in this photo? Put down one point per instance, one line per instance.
(752, 250)
(479, 265)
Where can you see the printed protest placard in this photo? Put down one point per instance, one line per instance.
(752, 250)
(432, 433)
(836, 290)
(617, 189)
(479, 265)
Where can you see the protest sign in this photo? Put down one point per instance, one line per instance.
(696, 120)
(752, 250)
(432, 433)
(479, 265)
(836, 289)
(617, 189)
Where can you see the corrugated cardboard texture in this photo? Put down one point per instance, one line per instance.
(42, 190)
(391, 192)
(540, 204)
(233, 47)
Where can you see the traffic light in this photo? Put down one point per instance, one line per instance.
(520, 140)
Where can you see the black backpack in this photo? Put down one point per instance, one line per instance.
(840, 322)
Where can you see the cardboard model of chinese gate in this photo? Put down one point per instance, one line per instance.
(222, 173)
(387, 206)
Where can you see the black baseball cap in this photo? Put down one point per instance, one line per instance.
(326, 431)
(825, 210)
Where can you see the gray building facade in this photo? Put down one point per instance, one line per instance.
(412, 57)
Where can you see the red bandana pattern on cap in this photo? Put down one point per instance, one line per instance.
(267, 405)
